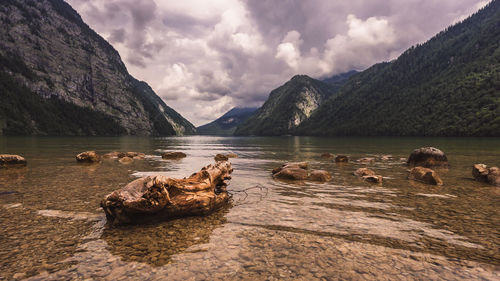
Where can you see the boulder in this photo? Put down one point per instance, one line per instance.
(299, 165)
(425, 175)
(427, 157)
(12, 160)
(494, 176)
(88, 157)
(161, 198)
(480, 172)
(373, 178)
(126, 160)
(319, 176)
(341, 159)
(173, 155)
(291, 173)
(135, 155)
(220, 157)
(113, 154)
(327, 155)
(361, 172)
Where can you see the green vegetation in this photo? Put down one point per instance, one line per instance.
(286, 106)
(23, 112)
(449, 86)
(227, 123)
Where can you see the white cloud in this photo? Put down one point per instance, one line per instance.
(205, 56)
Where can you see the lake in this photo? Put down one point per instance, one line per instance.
(52, 227)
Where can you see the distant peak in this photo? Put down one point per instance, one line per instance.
(300, 77)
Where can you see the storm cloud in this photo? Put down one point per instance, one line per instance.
(205, 57)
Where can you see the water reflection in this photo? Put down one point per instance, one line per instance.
(53, 228)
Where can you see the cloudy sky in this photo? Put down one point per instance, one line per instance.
(204, 57)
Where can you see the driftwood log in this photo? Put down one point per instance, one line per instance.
(160, 198)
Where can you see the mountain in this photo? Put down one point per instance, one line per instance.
(448, 86)
(227, 123)
(337, 81)
(287, 107)
(59, 77)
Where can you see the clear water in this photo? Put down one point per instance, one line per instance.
(52, 227)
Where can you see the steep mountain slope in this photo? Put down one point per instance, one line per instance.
(337, 81)
(287, 107)
(449, 86)
(59, 77)
(227, 123)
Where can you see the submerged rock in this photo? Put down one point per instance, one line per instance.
(120, 155)
(494, 176)
(327, 155)
(482, 173)
(12, 160)
(297, 171)
(88, 157)
(373, 178)
(319, 176)
(298, 165)
(368, 175)
(425, 175)
(232, 155)
(427, 157)
(366, 160)
(113, 154)
(220, 157)
(361, 172)
(291, 173)
(341, 159)
(173, 155)
(126, 160)
(161, 198)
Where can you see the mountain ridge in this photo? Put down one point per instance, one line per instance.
(52, 64)
(227, 123)
(448, 86)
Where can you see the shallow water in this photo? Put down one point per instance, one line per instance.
(52, 227)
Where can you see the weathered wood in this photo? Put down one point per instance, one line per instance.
(160, 197)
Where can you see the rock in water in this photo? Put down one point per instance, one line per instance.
(88, 157)
(425, 175)
(126, 160)
(327, 155)
(11, 160)
(221, 157)
(427, 157)
(232, 155)
(160, 198)
(361, 172)
(373, 178)
(293, 173)
(319, 176)
(173, 155)
(482, 173)
(298, 165)
(341, 159)
(368, 175)
(494, 176)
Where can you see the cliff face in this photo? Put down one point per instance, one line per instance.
(53, 64)
(287, 107)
